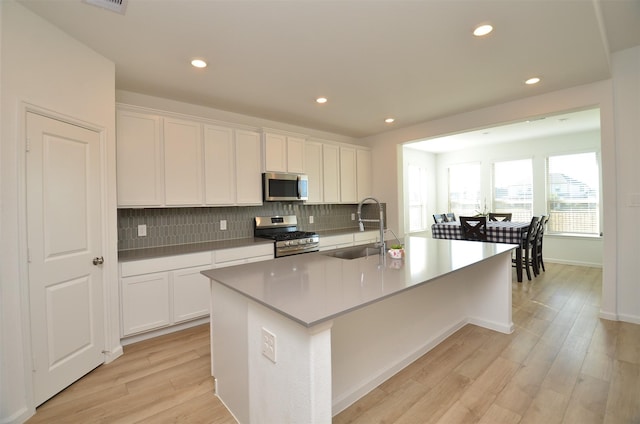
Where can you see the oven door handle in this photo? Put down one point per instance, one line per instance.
(299, 186)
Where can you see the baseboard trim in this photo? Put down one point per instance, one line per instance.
(162, 331)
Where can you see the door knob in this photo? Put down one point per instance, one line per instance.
(98, 261)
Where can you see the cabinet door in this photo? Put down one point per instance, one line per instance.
(364, 174)
(331, 173)
(145, 302)
(295, 155)
(182, 162)
(219, 166)
(248, 168)
(139, 159)
(313, 169)
(348, 191)
(275, 153)
(190, 294)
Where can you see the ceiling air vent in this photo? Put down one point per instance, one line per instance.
(118, 6)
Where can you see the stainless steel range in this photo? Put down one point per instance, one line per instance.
(284, 230)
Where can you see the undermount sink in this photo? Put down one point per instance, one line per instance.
(354, 252)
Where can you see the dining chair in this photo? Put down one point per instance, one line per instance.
(504, 217)
(538, 242)
(528, 249)
(439, 218)
(451, 217)
(474, 227)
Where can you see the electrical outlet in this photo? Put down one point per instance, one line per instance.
(353, 216)
(223, 224)
(310, 219)
(142, 230)
(269, 345)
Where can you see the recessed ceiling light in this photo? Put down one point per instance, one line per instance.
(389, 120)
(532, 81)
(199, 63)
(482, 30)
(321, 100)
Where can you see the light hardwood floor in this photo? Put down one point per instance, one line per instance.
(561, 365)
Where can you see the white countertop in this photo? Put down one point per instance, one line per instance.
(313, 287)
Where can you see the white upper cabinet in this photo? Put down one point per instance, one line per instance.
(219, 165)
(331, 173)
(348, 185)
(139, 159)
(248, 168)
(275, 152)
(364, 173)
(166, 161)
(313, 169)
(283, 153)
(295, 155)
(182, 162)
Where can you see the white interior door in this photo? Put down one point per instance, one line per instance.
(64, 236)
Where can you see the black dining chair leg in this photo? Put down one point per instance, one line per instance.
(527, 262)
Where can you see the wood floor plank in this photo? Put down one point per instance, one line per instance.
(562, 364)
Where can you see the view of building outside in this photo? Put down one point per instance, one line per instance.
(464, 189)
(574, 194)
(513, 189)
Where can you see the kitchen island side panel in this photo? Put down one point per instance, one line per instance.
(372, 344)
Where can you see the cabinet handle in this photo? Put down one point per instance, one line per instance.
(98, 261)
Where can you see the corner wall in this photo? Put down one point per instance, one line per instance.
(43, 67)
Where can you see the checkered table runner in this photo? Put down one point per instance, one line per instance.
(497, 232)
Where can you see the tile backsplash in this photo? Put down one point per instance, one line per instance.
(173, 226)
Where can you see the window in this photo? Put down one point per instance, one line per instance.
(574, 193)
(513, 189)
(464, 189)
(417, 184)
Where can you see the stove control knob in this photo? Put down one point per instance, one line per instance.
(302, 241)
(293, 242)
(286, 243)
(310, 240)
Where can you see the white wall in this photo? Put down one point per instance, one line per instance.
(427, 161)
(626, 82)
(570, 250)
(43, 67)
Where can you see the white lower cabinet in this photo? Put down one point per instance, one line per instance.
(190, 294)
(161, 292)
(145, 303)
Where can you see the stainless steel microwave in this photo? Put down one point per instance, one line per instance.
(285, 187)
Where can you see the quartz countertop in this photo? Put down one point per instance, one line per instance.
(314, 287)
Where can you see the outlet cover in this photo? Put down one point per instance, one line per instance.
(353, 216)
(268, 342)
(223, 224)
(311, 219)
(142, 230)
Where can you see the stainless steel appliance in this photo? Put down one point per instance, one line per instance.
(284, 231)
(285, 187)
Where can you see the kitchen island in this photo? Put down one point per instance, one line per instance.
(336, 328)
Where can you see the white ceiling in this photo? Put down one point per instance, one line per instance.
(538, 127)
(413, 60)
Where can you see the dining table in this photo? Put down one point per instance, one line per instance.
(497, 232)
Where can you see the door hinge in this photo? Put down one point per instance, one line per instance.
(27, 146)
(28, 255)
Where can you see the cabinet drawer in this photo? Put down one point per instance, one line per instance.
(343, 239)
(146, 266)
(243, 253)
(366, 237)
